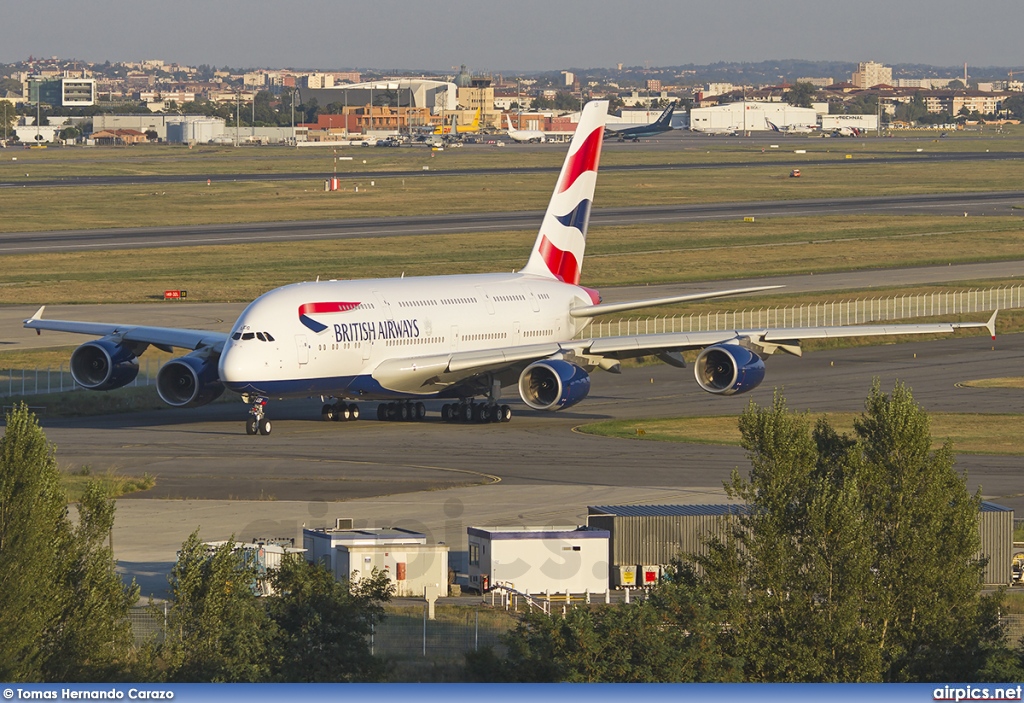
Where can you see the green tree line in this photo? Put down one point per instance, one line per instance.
(64, 610)
(854, 560)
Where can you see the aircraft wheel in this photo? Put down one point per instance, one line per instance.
(252, 425)
(504, 413)
(327, 412)
(264, 426)
(446, 413)
(353, 412)
(382, 412)
(466, 413)
(421, 411)
(343, 412)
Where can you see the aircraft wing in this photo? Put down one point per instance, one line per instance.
(431, 374)
(766, 341)
(164, 338)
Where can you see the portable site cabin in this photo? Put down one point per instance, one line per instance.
(539, 559)
(351, 554)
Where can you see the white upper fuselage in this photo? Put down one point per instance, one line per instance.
(328, 337)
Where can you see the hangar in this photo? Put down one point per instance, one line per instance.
(437, 96)
(644, 538)
(750, 116)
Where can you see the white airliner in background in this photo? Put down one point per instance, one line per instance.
(524, 135)
(457, 338)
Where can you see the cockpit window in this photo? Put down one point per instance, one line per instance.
(269, 338)
(248, 335)
(259, 336)
(236, 335)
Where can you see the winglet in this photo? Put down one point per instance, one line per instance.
(38, 314)
(991, 324)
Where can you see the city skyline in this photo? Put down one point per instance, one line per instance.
(527, 36)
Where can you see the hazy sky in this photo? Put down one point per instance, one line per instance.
(523, 35)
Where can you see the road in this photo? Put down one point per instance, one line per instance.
(971, 204)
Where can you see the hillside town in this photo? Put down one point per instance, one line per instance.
(55, 100)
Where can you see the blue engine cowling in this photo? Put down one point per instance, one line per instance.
(553, 384)
(189, 381)
(728, 369)
(103, 365)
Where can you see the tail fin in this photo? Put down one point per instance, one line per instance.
(511, 129)
(772, 126)
(558, 251)
(666, 116)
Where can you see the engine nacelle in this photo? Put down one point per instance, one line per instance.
(189, 381)
(103, 365)
(728, 369)
(553, 384)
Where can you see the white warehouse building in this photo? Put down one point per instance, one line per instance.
(750, 117)
(350, 554)
(539, 559)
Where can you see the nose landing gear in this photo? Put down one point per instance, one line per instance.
(258, 422)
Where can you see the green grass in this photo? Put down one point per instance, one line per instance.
(186, 204)
(615, 256)
(75, 482)
(87, 403)
(1016, 383)
(970, 433)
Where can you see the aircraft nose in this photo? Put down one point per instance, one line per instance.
(234, 370)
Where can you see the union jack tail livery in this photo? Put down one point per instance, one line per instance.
(558, 251)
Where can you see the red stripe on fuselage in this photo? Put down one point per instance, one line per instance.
(314, 308)
(560, 263)
(586, 159)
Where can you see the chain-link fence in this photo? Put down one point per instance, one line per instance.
(832, 313)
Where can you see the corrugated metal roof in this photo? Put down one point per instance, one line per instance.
(989, 507)
(665, 510)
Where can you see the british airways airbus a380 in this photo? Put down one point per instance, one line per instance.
(458, 338)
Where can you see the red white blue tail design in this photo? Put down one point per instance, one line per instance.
(558, 252)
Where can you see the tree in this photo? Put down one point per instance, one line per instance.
(92, 638)
(323, 626)
(624, 643)
(217, 630)
(1014, 106)
(913, 110)
(64, 610)
(856, 560)
(33, 528)
(801, 94)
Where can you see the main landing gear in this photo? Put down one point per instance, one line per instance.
(339, 411)
(476, 412)
(404, 411)
(258, 422)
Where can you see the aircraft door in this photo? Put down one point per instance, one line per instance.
(517, 334)
(302, 349)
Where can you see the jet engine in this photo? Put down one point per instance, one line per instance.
(553, 384)
(728, 369)
(189, 381)
(103, 365)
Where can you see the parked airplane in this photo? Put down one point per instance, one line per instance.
(451, 337)
(662, 124)
(524, 135)
(790, 129)
(455, 128)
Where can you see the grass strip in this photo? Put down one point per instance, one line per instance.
(970, 433)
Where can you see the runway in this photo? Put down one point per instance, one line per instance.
(1004, 204)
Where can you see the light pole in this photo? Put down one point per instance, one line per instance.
(293, 119)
